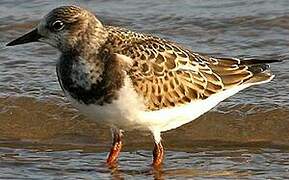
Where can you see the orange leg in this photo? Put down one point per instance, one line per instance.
(158, 154)
(116, 147)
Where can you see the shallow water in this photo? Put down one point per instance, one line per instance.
(202, 163)
(246, 136)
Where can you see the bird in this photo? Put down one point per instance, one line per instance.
(133, 80)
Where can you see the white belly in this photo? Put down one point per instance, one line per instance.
(129, 111)
(123, 113)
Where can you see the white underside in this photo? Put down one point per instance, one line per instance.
(128, 112)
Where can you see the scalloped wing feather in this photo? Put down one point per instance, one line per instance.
(167, 75)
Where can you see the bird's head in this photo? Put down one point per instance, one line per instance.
(67, 28)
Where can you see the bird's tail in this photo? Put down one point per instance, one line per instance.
(260, 69)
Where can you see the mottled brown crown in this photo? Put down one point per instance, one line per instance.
(67, 14)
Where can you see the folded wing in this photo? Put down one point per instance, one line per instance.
(167, 75)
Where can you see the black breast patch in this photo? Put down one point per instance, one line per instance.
(101, 92)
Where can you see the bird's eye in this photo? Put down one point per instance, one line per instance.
(57, 25)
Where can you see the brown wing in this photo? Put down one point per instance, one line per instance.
(167, 75)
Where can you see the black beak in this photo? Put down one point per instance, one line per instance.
(32, 36)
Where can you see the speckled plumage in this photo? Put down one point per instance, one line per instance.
(133, 80)
(95, 83)
(167, 75)
(162, 72)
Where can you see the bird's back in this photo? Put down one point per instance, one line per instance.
(167, 75)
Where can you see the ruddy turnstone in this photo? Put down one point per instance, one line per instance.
(133, 80)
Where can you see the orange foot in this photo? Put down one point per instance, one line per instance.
(158, 155)
(116, 147)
